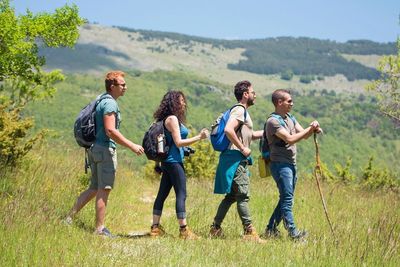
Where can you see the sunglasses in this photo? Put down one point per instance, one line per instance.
(122, 84)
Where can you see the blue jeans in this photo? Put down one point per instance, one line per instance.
(173, 176)
(285, 177)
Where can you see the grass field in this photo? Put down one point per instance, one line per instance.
(35, 197)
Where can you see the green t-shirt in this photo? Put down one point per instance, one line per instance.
(106, 106)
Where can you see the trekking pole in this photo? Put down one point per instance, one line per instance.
(317, 173)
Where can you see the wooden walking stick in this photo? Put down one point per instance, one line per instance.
(318, 173)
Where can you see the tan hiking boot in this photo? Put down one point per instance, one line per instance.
(216, 231)
(187, 234)
(156, 230)
(250, 234)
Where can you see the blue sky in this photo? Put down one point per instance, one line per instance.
(339, 20)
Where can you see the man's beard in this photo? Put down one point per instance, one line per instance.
(250, 102)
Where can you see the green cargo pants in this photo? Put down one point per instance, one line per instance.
(240, 193)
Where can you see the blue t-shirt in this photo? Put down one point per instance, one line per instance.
(175, 154)
(106, 106)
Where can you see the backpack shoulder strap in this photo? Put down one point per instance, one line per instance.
(102, 97)
(279, 118)
(245, 115)
(292, 118)
(245, 110)
(264, 131)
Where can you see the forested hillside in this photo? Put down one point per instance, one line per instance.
(303, 56)
(306, 56)
(300, 56)
(353, 127)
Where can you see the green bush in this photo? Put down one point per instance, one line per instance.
(379, 178)
(14, 143)
(344, 172)
(306, 78)
(202, 164)
(287, 75)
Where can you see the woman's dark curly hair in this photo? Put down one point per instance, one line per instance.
(170, 105)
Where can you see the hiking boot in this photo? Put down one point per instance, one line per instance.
(271, 233)
(105, 232)
(67, 220)
(216, 231)
(297, 235)
(250, 234)
(156, 230)
(187, 234)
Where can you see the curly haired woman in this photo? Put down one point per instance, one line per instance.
(172, 111)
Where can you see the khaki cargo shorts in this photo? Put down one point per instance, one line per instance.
(103, 164)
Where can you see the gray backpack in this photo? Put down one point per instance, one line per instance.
(85, 123)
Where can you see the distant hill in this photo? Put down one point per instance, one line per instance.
(303, 56)
(338, 66)
(306, 56)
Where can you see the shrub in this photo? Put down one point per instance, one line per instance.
(287, 75)
(344, 172)
(306, 78)
(202, 164)
(14, 143)
(375, 178)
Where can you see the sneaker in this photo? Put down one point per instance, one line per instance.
(250, 234)
(271, 233)
(156, 230)
(216, 231)
(105, 232)
(298, 235)
(187, 234)
(67, 220)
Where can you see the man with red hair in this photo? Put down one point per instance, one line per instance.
(102, 154)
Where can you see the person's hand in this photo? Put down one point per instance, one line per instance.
(246, 151)
(204, 133)
(319, 130)
(139, 150)
(314, 124)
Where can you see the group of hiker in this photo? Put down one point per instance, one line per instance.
(232, 175)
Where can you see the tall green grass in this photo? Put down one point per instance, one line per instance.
(35, 197)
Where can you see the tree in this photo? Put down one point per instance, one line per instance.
(306, 78)
(287, 75)
(387, 88)
(22, 79)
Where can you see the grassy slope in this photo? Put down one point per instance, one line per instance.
(366, 223)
